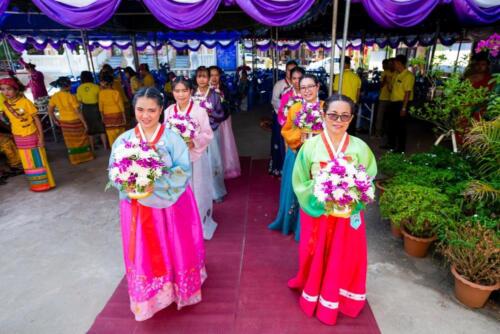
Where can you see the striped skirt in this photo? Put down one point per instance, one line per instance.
(35, 164)
(77, 141)
(114, 126)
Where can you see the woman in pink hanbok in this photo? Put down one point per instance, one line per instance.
(162, 234)
(201, 181)
(229, 150)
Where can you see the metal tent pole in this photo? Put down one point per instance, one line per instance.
(458, 53)
(334, 41)
(273, 52)
(134, 51)
(85, 49)
(156, 52)
(433, 51)
(344, 43)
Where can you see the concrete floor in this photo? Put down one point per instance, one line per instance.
(61, 256)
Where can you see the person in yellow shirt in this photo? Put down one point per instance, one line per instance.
(351, 83)
(384, 99)
(401, 96)
(72, 123)
(88, 96)
(28, 134)
(112, 109)
(134, 82)
(168, 88)
(147, 78)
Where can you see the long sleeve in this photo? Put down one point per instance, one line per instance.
(277, 89)
(366, 158)
(290, 133)
(303, 183)
(281, 113)
(203, 137)
(217, 114)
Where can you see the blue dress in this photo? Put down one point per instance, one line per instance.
(287, 220)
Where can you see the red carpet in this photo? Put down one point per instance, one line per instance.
(248, 269)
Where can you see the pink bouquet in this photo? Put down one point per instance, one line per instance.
(342, 187)
(491, 45)
(183, 125)
(309, 118)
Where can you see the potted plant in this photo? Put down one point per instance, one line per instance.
(418, 210)
(389, 165)
(473, 250)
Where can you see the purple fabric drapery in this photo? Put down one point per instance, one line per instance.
(469, 12)
(275, 12)
(393, 13)
(183, 16)
(400, 14)
(90, 16)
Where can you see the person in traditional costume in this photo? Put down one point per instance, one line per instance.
(290, 95)
(277, 144)
(28, 134)
(72, 123)
(287, 220)
(211, 102)
(88, 96)
(332, 250)
(112, 109)
(146, 77)
(37, 86)
(162, 234)
(201, 180)
(229, 151)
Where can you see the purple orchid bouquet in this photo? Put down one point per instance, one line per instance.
(491, 45)
(291, 101)
(183, 125)
(308, 118)
(342, 187)
(135, 168)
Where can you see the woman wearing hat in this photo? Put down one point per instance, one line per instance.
(28, 134)
(71, 121)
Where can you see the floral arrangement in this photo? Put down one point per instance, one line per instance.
(491, 45)
(183, 125)
(291, 101)
(206, 105)
(135, 168)
(309, 117)
(342, 187)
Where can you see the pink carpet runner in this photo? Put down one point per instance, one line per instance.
(248, 269)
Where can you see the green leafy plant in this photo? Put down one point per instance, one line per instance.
(473, 247)
(419, 209)
(392, 163)
(457, 103)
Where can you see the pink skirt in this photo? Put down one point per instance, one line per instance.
(229, 151)
(332, 267)
(164, 255)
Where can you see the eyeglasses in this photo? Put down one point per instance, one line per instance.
(337, 117)
(307, 87)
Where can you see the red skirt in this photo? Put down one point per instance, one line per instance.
(332, 267)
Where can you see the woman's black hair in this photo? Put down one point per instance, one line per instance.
(130, 71)
(150, 93)
(182, 80)
(338, 97)
(297, 69)
(202, 69)
(63, 82)
(86, 76)
(310, 76)
(217, 68)
(107, 79)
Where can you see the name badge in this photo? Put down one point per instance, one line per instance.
(355, 221)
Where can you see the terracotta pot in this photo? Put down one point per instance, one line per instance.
(379, 184)
(396, 231)
(471, 294)
(415, 246)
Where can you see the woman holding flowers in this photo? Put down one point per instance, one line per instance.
(161, 228)
(28, 134)
(303, 119)
(211, 102)
(190, 121)
(332, 179)
(290, 96)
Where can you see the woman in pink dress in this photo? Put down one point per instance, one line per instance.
(332, 250)
(291, 95)
(229, 151)
(162, 235)
(201, 181)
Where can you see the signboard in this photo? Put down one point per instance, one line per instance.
(226, 57)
